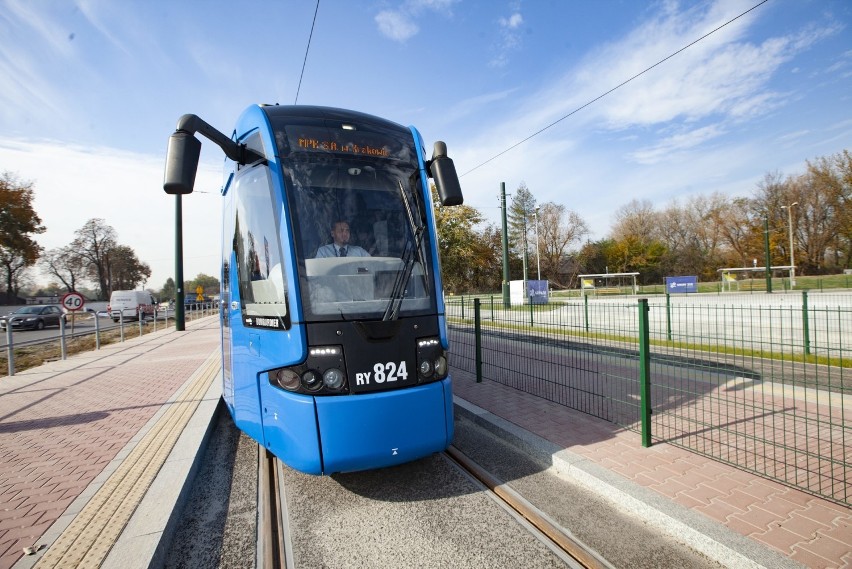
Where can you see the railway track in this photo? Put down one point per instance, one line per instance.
(275, 549)
(548, 531)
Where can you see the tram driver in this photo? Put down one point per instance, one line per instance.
(340, 246)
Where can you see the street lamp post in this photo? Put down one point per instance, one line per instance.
(537, 248)
(526, 249)
(789, 209)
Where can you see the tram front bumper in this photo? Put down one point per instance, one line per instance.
(362, 432)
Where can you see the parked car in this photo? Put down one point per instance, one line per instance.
(34, 317)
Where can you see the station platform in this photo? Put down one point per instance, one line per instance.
(96, 452)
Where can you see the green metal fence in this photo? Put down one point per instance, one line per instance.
(761, 383)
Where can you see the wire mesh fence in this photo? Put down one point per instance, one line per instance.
(760, 383)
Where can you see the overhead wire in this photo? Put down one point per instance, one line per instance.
(307, 48)
(622, 84)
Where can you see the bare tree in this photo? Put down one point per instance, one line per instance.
(559, 229)
(94, 241)
(66, 265)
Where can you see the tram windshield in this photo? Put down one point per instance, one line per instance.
(359, 221)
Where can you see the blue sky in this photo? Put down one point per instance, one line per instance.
(91, 90)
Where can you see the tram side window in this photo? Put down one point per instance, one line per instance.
(263, 288)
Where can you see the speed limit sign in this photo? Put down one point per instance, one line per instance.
(72, 301)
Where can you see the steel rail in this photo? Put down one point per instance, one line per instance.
(271, 532)
(573, 548)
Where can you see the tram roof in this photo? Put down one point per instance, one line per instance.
(328, 113)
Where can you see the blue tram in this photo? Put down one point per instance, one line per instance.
(333, 330)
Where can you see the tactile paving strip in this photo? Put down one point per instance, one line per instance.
(89, 538)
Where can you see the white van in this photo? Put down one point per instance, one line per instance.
(130, 304)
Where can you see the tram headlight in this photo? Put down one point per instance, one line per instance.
(431, 359)
(441, 366)
(333, 378)
(288, 379)
(311, 380)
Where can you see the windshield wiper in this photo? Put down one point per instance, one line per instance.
(412, 250)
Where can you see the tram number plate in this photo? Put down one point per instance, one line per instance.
(382, 375)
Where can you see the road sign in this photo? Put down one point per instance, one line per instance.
(73, 301)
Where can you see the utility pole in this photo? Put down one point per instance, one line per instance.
(179, 316)
(506, 301)
(766, 251)
(789, 209)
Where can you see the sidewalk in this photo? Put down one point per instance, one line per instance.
(807, 529)
(61, 424)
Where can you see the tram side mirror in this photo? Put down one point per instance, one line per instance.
(181, 163)
(444, 173)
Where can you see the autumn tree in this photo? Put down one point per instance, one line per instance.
(18, 223)
(467, 255)
(694, 236)
(824, 230)
(637, 245)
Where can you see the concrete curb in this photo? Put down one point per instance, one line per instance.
(706, 536)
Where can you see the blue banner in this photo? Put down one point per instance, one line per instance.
(537, 292)
(677, 285)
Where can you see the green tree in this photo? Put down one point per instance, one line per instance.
(210, 285)
(169, 290)
(520, 221)
(18, 222)
(126, 270)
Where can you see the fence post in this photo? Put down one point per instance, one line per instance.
(644, 372)
(586, 310)
(10, 348)
(62, 337)
(97, 332)
(462, 306)
(668, 317)
(492, 308)
(806, 335)
(121, 323)
(531, 313)
(477, 334)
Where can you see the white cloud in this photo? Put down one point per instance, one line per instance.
(669, 146)
(510, 39)
(512, 21)
(396, 25)
(399, 24)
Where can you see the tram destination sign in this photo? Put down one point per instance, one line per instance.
(301, 138)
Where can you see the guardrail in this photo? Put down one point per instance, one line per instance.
(58, 347)
(766, 386)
